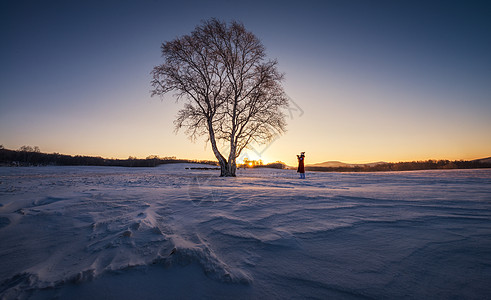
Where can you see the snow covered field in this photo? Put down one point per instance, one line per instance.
(167, 232)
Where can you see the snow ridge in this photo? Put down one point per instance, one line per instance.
(264, 234)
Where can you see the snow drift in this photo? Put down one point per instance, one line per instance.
(125, 233)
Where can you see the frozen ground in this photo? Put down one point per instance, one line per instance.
(167, 232)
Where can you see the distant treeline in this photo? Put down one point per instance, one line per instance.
(32, 156)
(408, 166)
(259, 164)
(28, 156)
(275, 165)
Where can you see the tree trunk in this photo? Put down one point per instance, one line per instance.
(226, 168)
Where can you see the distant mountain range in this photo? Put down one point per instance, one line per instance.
(338, 164)
(484, 160)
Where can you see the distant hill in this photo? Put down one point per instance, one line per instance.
(484, 160)
(329, 164)
(338, 164)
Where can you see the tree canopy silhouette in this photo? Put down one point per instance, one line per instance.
(233, 94)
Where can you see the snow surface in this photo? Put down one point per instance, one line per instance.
(168, 232)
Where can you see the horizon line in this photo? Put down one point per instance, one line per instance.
(194, 159)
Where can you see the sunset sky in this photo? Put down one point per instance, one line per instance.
(369, 80)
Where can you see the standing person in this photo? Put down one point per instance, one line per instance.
(301, 165)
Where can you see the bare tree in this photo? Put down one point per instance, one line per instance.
(233, 94)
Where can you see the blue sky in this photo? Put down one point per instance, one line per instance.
(376, 80)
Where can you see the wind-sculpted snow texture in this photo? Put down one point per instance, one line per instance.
(167, 232)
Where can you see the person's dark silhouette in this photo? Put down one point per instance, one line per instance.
(301, 165)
